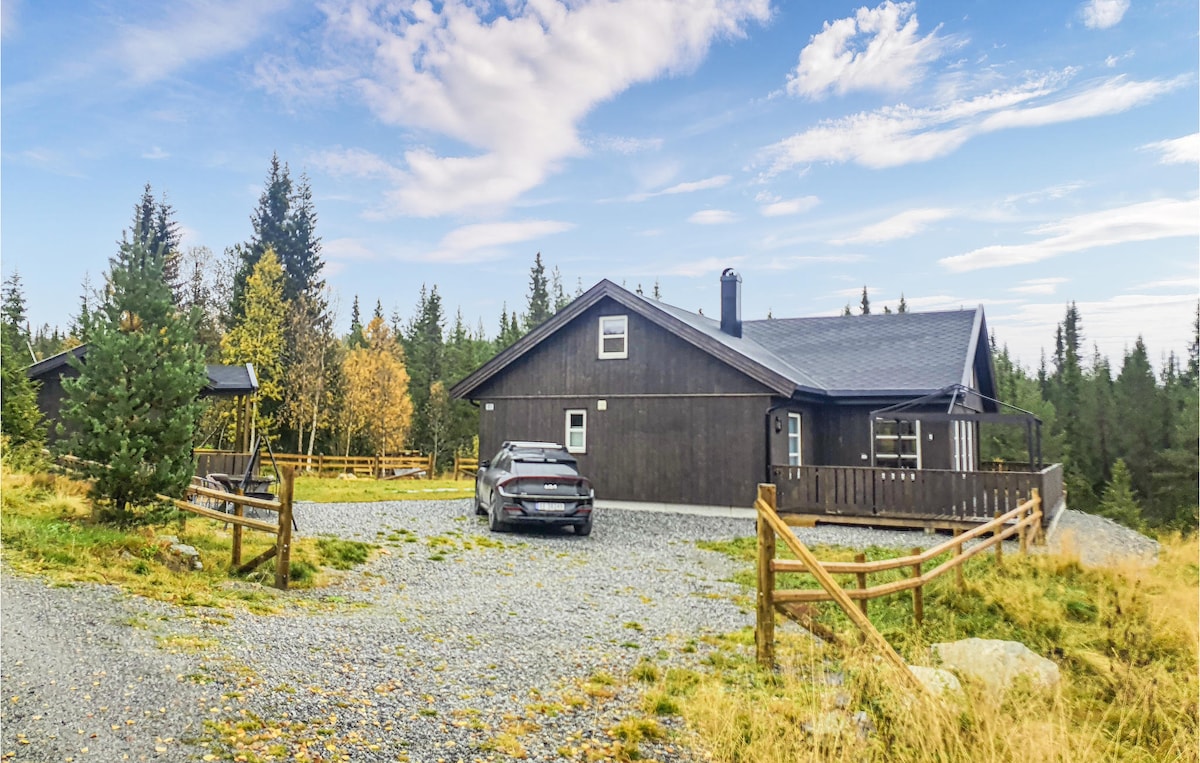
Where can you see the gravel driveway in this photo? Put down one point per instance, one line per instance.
(453, 643)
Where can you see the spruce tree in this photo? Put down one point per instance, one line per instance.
(864, 306)
(424, 356)
(302, 255)
(356, 338)
(272, 229)
(1138, 428)
(556, 289)
(133, 410)
(20, 419)
(539, 297)
(154, 226)
(903, 306)
(1118, 502)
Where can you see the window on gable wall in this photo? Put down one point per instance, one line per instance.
(614, 337)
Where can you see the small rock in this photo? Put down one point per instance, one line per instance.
(863, 725)
(939, 682)
(183, 558)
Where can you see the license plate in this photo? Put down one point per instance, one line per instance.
(547, 506)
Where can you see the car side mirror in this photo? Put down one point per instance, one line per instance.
(484, 464)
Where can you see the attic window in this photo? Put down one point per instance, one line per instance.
(614, 336)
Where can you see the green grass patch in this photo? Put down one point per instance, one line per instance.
(332, 490)
(47, 529)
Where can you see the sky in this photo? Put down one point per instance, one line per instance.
(1020, 155)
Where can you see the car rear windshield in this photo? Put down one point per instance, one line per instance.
(542, 457)
(544, 469)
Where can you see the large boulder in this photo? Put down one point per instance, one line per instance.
(997, 664)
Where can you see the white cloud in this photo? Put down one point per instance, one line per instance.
(789, 206)
(624, 145)
(876, 49)
(706, 184)
(1147, 221)
(713, 217)
(903, 225)
(1102, 14)
(483, 241)
(901, 134)
(1185, 150)
(155, 153)
(8, 18)
(354, 162)
(513, 88)
(1039, 286)
(192, 31)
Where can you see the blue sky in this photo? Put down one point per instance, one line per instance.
(1018, 154)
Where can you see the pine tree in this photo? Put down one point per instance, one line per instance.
(864, 306)
(424, 354)
(1118, 502)
(154, 226)
(20, 419)
(846, 310)
(133, 409)
(356, 338)
(81, 322)
(556, 290)
(1138, 428)
(302, 259)
(538, 309)
(903, 306)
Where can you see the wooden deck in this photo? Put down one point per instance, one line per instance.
(910, 497)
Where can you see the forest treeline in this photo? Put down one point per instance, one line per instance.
(1126, 435)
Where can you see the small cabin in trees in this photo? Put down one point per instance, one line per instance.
(871, 418)
(223, 382)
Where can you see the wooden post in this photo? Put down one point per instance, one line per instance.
(1039, 537)
(283, 542)
(862, 581)
(1022, 534)
(764, 629)
(238, 511)
(918, 595)
(999, 545)
(831, 587)
(958, 568)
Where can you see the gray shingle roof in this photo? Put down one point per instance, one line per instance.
(223, 381)
(917, 352)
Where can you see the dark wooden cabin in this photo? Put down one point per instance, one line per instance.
(223, 382)
(663, 405)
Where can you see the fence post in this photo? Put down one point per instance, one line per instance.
(1039, 536)
(764, 630)
(918, 594)
(238, 511)
(862, 581)
(958, 568)
(1022, 534)
(283, 542)
(999, 544)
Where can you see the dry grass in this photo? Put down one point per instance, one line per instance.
(1125, 638)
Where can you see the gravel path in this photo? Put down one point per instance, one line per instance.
(451, 645)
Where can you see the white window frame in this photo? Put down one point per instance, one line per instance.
(581, 430)
(795, 456)
(964, 446)
(898, 459)
(624, 336)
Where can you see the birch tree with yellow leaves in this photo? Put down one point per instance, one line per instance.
(258, 338)
(375, 400)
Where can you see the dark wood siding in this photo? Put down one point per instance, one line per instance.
(50, 398)
(698, 450)
(678, 425)
(843, 436)
(658, 363)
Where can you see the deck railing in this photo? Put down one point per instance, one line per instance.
(856, 493)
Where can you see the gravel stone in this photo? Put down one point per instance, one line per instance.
(428, 652)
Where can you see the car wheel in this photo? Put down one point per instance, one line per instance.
(585, 528)
(495, 524)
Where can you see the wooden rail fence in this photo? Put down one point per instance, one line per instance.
(465, 467)
(228, 462)
(1025, 521)
(203, 501)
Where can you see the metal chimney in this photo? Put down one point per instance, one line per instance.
(731, 302)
